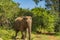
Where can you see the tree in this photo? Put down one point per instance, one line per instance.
(54, 6)
(8, 10)
(36, 1)
(43, 19)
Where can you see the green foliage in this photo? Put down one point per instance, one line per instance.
(53, 5)
(42, 19)
(9, 7)
(8, 10)
(6, 34)
(25, 12)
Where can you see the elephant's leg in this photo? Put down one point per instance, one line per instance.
(23, 35)
(29, 32)
(16, 34)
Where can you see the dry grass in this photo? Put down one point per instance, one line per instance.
(45, 37)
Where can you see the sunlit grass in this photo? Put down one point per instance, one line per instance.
(8, 34)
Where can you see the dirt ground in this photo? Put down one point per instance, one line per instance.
(45, 37)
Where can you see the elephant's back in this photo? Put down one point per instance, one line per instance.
(20, 24)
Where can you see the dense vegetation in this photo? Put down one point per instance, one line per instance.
(44, 20)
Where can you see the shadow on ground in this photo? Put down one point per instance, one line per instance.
(46, 33)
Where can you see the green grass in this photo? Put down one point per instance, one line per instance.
(8, 34)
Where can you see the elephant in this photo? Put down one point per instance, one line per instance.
(23, 23)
